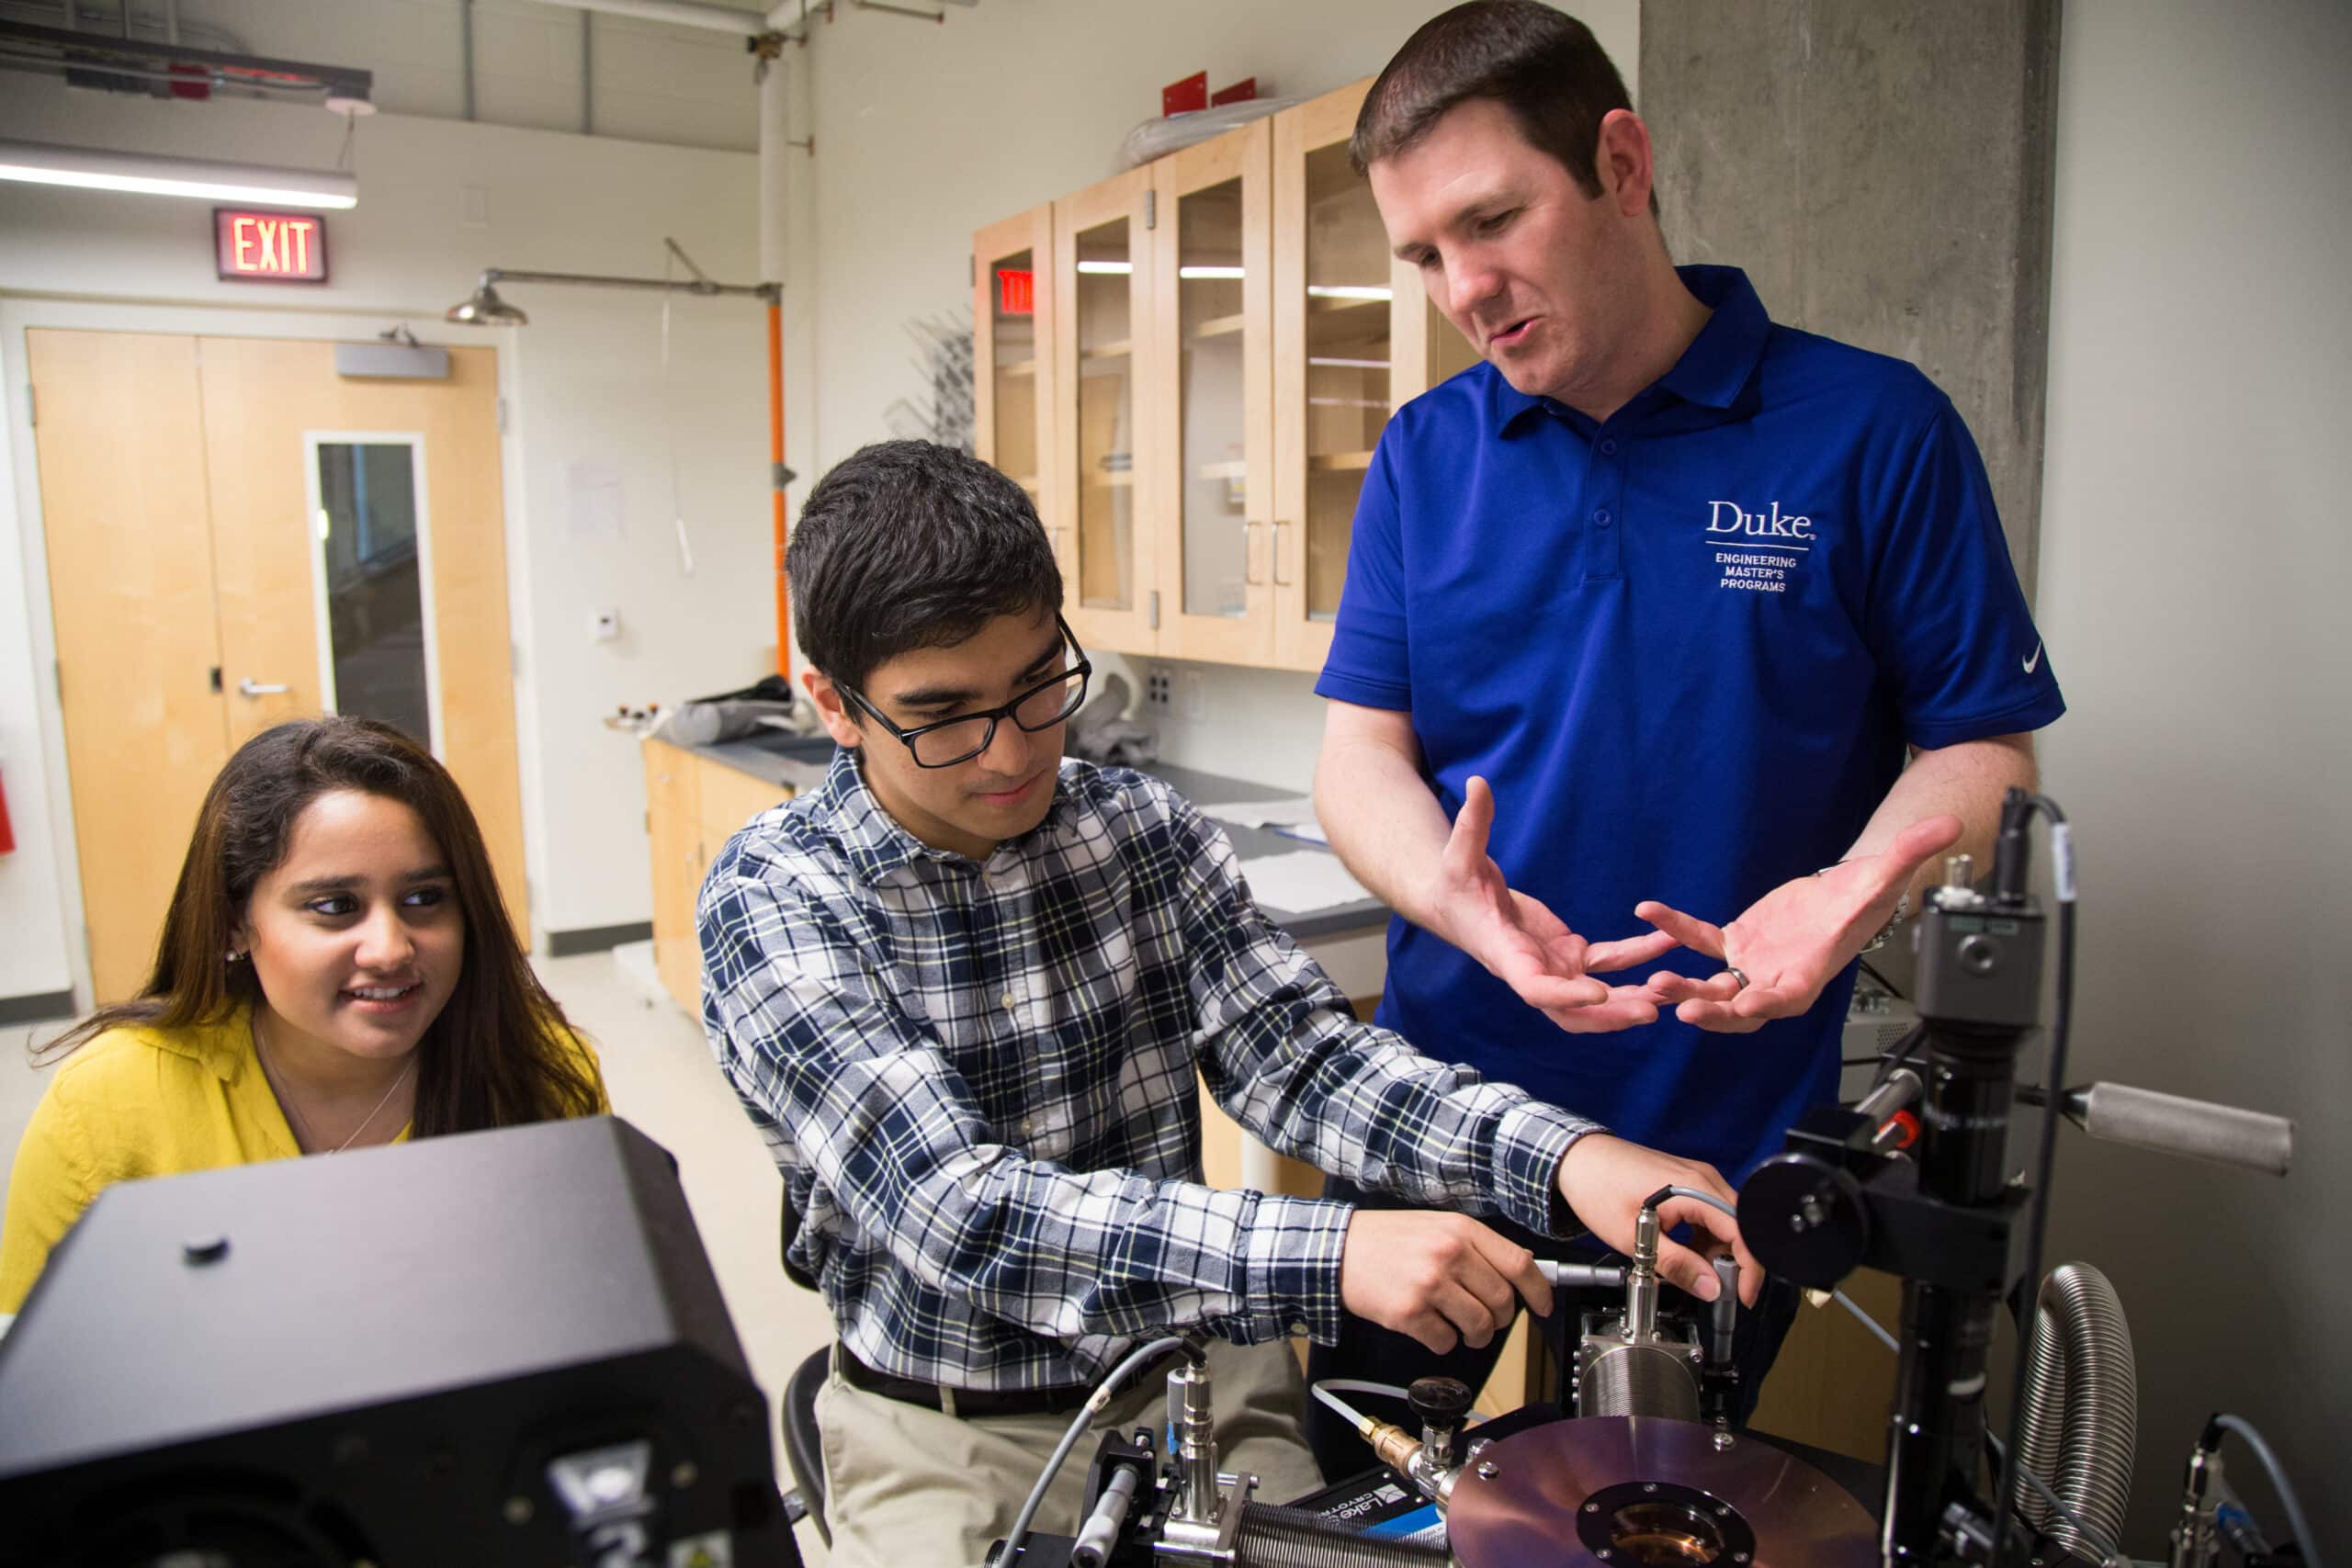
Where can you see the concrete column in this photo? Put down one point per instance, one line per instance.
(1883, 175)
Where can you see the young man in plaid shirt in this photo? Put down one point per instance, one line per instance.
(962, 989)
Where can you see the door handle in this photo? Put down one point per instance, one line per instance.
(249, 687)
(1279, 581)
(1250, 527)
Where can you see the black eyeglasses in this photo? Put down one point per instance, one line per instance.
(965, 737)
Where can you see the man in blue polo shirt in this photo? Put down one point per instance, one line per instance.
(1643, 616)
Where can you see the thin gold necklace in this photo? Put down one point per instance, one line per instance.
(301, 1128)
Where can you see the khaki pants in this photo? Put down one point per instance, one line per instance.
(910, 1487)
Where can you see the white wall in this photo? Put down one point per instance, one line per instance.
(925, 133)
(2194, 562)
(584, 385)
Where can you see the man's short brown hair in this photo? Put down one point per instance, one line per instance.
(1543, 66)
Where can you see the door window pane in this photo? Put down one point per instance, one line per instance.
(1106, 424)
(1348, 299)
(375, 603)
(1212, 458)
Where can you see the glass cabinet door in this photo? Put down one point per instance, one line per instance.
(1012, 371)
(1355, 338)
(1335, 351)
(1109, 590)
(1211, 268)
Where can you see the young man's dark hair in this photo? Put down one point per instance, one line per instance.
(908, 544)
(1545, 67)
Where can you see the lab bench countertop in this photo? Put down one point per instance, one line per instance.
(798, 762)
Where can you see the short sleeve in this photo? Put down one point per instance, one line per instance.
(1947, 621)
(1370, 663)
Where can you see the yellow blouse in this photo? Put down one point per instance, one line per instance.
(144, 1101)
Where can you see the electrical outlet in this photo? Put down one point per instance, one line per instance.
(1193, 695)
(1156, 691)
(607, 625)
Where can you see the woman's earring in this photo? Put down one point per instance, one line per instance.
(236, 957)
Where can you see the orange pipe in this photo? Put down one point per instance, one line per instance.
(775, 475)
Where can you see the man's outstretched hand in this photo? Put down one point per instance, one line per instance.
(1793, 940)
(1525, 946)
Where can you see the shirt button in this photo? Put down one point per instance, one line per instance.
(1609, 447)
(1299, 1328)
(1601, 515)
(1006, 1001)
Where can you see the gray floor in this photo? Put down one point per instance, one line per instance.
(663, 1080)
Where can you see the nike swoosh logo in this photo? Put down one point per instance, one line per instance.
(2036, 659)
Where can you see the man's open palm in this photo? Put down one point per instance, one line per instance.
(1525, 946)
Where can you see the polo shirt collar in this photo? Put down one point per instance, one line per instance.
(874, 841)
(1712, 372)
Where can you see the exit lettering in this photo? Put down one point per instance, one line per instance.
(274, 246)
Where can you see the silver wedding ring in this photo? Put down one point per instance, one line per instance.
(1737, 974)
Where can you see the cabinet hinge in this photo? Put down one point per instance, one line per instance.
(502, 416)
(32, 406)
(971, 271)
(1151, 209)
(1155, 609)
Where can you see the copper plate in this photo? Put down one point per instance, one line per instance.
(1559, 1489)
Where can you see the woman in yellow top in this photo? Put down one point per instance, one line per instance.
(336, 971)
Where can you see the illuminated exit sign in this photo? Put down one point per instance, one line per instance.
(270, 247)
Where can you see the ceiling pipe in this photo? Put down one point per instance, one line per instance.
(678, 12)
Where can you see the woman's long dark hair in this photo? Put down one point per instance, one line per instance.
(497, 1055)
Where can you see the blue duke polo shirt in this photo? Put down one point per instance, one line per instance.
(1687, 646)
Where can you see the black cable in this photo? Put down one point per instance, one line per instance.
(1884, 984)
(2062, 867)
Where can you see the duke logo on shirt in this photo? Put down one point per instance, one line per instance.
(1763, 567)
(1726, 517)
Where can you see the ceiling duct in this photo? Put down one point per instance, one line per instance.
(167, 69)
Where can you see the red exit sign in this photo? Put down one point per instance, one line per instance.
(270, 247)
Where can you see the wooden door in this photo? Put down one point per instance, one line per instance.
(1102, 451)
(1013, 380)
(1211, 349)
(272, 406)
(179, 486)
(118, 434)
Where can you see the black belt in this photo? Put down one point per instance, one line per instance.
(1059, 1401)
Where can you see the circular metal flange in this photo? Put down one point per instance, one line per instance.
(1579, 1495)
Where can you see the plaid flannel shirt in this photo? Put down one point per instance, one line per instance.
(978, 1078)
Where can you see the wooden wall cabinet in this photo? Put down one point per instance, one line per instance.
(1219, 342)
(693, 806)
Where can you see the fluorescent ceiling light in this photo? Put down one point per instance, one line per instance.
(148, 174)
(1210, 272)
(1098, 266)
(1349, 291)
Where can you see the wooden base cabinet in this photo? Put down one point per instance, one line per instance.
(693, 806)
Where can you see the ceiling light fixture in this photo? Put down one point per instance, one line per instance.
(150, 174)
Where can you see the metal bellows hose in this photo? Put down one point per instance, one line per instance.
(2082, 1405)
(1293, 1537)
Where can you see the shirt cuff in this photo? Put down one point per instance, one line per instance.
(1291, 1260)
(1530, 1141)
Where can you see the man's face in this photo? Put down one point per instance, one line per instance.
(969, 806)
(1541, 279)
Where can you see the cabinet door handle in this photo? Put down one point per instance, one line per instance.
(1279, 581)
(249, 687)
(1248, 551)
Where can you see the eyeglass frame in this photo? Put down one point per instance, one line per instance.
(1083, 669)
